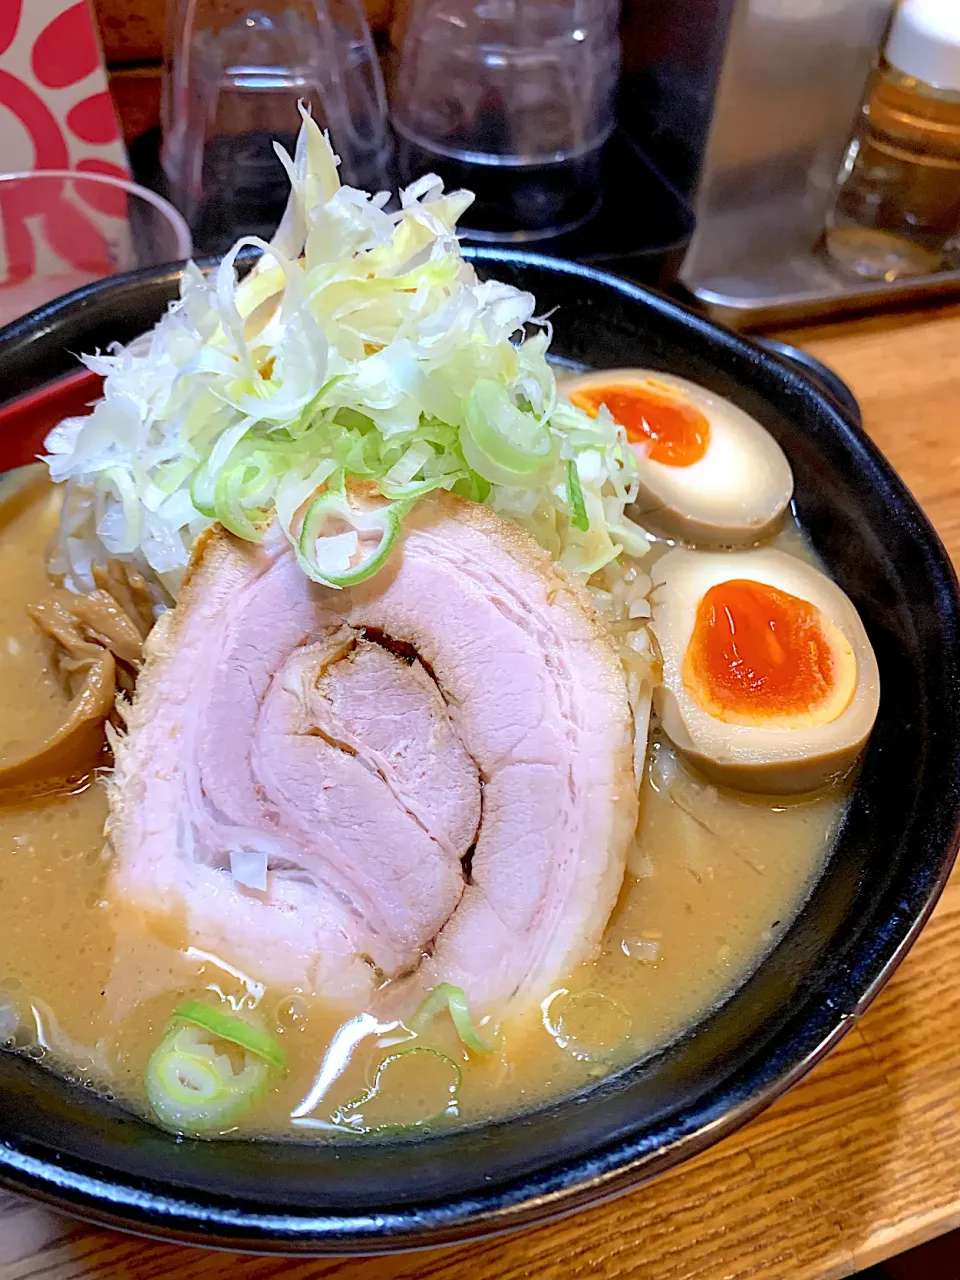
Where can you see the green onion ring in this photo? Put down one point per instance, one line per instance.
(332, 505)
(447, 996)
(235, 1030)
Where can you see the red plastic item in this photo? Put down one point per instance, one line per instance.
(24, 423)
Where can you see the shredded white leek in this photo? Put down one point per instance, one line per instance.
(362, 347)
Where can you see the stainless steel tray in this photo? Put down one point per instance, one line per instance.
(754, 295)
(793, 79)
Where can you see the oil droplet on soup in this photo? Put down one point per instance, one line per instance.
(713, 881)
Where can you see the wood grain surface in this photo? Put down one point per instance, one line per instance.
(860, 1161)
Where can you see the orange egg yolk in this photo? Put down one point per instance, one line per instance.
(760, 656)
(672, 431)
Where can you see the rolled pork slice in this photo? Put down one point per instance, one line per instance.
(363, 793)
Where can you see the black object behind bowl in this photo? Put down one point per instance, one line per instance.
(892, 858)
(642, 229)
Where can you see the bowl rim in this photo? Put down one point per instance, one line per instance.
(623, 1164)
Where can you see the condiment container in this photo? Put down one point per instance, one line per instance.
(897, 206)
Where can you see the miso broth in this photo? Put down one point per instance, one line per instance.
(713, 881)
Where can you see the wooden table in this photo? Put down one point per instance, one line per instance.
(859, 1162)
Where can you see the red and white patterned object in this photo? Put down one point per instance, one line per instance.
(55, 108)
(55, 113)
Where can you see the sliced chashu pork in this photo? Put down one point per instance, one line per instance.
(436, 767)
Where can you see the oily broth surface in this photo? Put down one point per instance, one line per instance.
(715, 879)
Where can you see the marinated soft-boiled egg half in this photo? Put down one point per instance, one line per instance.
(769, 680)
(709, 474)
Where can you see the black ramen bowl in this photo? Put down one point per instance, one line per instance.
(890, 862)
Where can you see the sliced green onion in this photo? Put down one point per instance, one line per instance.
(473, 487)
(228, 503)
(579, 519)
(350, 1115)
(195, 1090)
(407, 466)
(415, 489)
(312, 408)
(404, 480)
(236, 1030)
(301, 483)
(331, 519)
(502, 443)
(169, 476)
(354, 419)
(454, 999)
(422, 357)
(202, 487)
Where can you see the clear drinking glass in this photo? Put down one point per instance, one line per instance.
(513, 99)
(234, 74)
(64, 229)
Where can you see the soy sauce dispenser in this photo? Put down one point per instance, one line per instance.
(896, 211)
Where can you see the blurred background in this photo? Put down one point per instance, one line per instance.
(769, 160)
